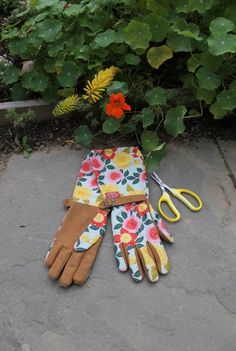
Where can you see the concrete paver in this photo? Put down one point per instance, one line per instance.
(229, 149)
(192, 308)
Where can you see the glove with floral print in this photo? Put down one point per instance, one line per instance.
(77, 241)
(137, 228)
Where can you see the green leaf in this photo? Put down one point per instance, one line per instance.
(55, 47)
(156, 96)
(150, 141)
(82, 52)
(159, 26)
(11, 74)
(18, 92)
(69, 74)
(205, 95)
(189, 30)
(230, 13)
(116, 87)
(200, 6)
(42, 4)
(148, 116)
(220, 25)
(158, 55)
(153, 160)
(132, 59)
(209, 61)
(83, 135)
(207, 79)
(106, 38)
(137, 34)
(220, 44)
(178, 42)
(49, 30)
(227, 99)
(193, 63)
(110, 125)
(173, 123)
(35, 81)
(217, 111)
(18, 46)
(73, 10)
(158, 7)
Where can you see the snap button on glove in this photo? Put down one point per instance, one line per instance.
(85, 222)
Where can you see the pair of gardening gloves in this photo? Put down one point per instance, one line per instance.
(111, 180)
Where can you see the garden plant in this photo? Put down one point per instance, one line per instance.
(128, 67)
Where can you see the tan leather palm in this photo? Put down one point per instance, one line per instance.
(62, 259)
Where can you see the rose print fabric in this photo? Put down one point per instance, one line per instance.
(137, 228)
(87, 192)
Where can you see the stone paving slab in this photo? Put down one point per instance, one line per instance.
(229, 150)
(193, 308)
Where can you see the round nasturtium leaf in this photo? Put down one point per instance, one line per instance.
(207, 79)
(82, 52)
(55, 47)
(157, 56)
(209, 61)
(49, 29)
(205, 95)
(132, 59)
(188, 6)
(189, 30)
(220, 25)
(193, 62)
(17, 92)
(217, 111)
(116, 87)
(83, 135)
(41, 4)
(148, 116)
(35, 81)
(227, 99)
(220, 44)
(11, 74)
(154, 158)
(178, 42)
(69, 74)
(156, 96)
(150, 141)
(18, 46)
(174, 123)
(110, 125)
(159, 26)
(137, 34)
(230, 13)
(106, 38)
(73, 10)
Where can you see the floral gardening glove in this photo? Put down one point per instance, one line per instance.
(137, 228)
(77, 241)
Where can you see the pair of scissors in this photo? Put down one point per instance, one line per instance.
(165, 198)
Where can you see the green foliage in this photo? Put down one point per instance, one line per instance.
(83, 136)
(162, 48)
(26, 149)
(19, 119)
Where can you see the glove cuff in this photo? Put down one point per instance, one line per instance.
(117, 201)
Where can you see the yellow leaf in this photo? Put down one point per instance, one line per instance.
(157, 56)
(98, 85)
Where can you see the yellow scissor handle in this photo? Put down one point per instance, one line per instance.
(166, 198)
(178, 194)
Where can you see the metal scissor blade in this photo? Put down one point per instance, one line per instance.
(159, 181)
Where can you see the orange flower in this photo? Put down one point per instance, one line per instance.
(117, 106)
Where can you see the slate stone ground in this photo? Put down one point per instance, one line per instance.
(193, 308)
